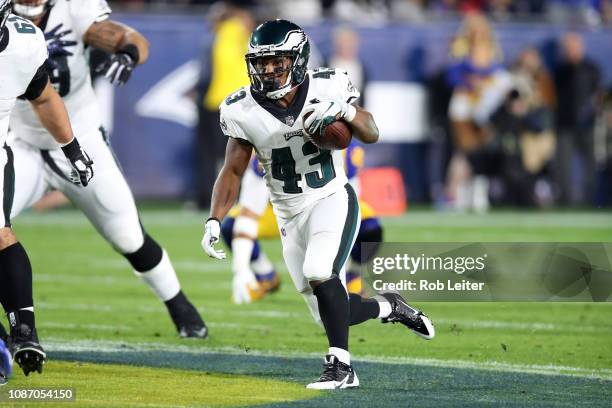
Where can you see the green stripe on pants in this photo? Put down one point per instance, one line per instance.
(8, 192)
(348, 233)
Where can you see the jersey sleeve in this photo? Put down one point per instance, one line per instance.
(87, 12)
(229, 127)
(37, 84)
(347, 90)
(37, 57)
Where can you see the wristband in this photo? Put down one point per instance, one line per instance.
(351, 112)
(72, 148)
(132, 51)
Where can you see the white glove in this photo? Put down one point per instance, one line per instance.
(212, 230)
(245, 288)
(325, 112)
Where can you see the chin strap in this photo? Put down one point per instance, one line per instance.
(283, 90)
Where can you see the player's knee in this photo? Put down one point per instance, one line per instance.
(227, 230)
(126, 242)
(315, 270)
(147, 256)
(370, 232)
(7, 237)
(246, 227)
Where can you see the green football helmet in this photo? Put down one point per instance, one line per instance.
(277, 38)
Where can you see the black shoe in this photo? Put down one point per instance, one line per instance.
(410, 317)
(26, 351)
(336, 375)
(186, 318)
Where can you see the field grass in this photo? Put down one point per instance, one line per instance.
(94, 316)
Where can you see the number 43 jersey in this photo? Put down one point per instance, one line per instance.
(297, 173)
(68, 68)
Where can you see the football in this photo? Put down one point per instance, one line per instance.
(337, 136)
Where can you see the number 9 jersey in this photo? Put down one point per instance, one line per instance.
(297, 173)
(68, 68)
(22, 53)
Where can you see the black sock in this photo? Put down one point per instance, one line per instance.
(147, 257)
(363, 309)
(334, 310)
(179, 299)
(16, 278)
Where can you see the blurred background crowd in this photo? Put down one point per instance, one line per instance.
(503, 117)
(592, 12)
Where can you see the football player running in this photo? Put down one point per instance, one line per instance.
(23, 53)
(254, 275)
(315, 206)
(70, 28)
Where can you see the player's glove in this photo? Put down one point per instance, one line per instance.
(81, 163)
(212, 230)
(118, 68)
(56, 45)
(325, 112)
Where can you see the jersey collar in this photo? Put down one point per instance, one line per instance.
(289, 115)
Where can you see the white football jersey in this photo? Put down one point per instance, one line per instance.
(297, 173)
(22, 52)
(69, 74)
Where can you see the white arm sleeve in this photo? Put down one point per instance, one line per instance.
(84, 13)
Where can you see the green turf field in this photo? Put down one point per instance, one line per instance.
(112, 341)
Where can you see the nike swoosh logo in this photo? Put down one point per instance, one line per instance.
(341, 383)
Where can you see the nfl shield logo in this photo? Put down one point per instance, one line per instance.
(289, 121)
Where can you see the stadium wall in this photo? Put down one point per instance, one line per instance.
(152, 118)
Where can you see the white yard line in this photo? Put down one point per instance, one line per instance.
(531, 326)
(277, 314)
(571, 219)
(81, 307)
(107, 327)
(56, 344)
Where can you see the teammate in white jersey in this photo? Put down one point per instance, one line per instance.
(71, 28)
(316, 208)
(22, 76)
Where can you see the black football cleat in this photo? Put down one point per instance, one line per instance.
(336, 376)
(26, 350)
(186, 318)
(402, 312)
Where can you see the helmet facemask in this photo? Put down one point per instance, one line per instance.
(268, 81)
(31, 9)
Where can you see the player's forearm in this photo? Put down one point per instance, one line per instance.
(363, 126)
(113, 37)
(53, 115)
(225, 193)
